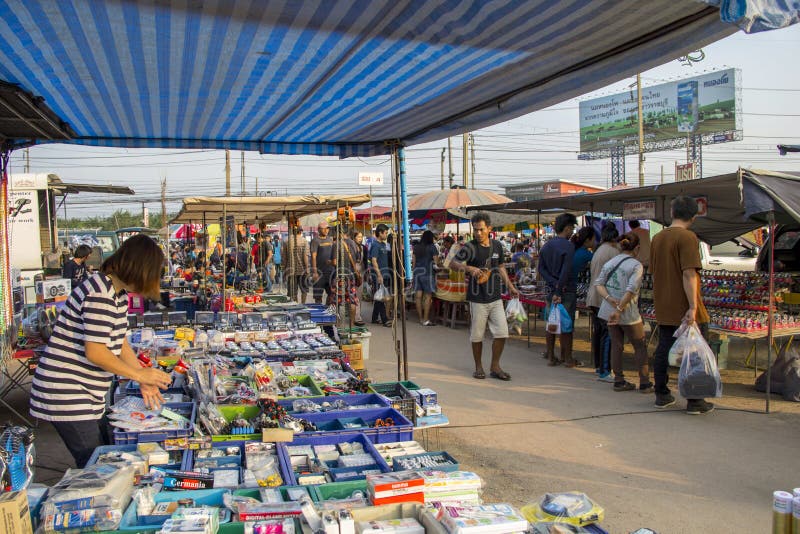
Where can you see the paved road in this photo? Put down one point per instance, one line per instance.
(556, 429)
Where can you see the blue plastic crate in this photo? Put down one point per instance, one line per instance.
(130, 448)
(350, 400)
(330, 439)
(132, 389)
(403, 429)
(187, 409)
(208, 497)
(283, 464)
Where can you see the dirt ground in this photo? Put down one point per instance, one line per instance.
(557, 429)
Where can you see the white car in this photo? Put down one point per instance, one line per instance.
(734, 255)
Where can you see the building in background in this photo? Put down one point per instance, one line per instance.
(548, 189)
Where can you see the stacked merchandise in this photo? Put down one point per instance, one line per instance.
(257, 444)
(736, 301)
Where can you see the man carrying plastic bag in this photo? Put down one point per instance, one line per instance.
(699, 374)
(675, 264)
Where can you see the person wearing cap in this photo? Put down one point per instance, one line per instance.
(321, 264)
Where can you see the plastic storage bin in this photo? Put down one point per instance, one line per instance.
(350, 400)
(403, 429)
(210, 497)
(228, 463)
(399, 397)
(187, 409)
(329, 439)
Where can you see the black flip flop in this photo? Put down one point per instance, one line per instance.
(502, 375)
(480, 375)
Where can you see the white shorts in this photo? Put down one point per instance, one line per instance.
(492, 313)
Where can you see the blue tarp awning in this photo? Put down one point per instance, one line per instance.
(326, 77)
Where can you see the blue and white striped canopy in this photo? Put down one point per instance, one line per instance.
(327, 77)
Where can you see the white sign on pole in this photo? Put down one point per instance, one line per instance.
(370, 178)
(640, 210)
(23, 219)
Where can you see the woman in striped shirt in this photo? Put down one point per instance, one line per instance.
(88, 347)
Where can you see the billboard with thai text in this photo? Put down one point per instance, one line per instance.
(707, 105)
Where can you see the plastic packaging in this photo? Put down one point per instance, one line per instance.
(516, 314)
(553, 321)
(571, 507)
(676, 351)
(382, 294)
(699, 376)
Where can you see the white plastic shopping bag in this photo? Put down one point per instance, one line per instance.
(676, 352)
(382, 294)
(554, 320)
(698, 377)
(516, 315)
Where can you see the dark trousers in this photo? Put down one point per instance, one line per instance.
(661, 356)
(81, 438)
(379, 306)
(599, 331)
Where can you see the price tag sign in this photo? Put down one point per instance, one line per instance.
(370, 178)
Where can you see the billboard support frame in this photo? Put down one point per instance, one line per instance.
(618, 166)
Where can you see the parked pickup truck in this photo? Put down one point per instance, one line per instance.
(735, 255)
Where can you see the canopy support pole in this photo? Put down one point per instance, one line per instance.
(771, 311)
(290, 267)
(224, 231)
(538, 232)
(401, 156)
(205, 257)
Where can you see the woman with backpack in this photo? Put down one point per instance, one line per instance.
(618, 285)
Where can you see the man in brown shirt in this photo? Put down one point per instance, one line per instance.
(675, 262)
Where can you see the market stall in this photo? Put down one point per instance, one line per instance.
(731, 205)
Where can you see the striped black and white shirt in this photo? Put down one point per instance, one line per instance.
(67, 386)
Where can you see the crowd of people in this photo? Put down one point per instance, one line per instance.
(617, 267)
(344, 271)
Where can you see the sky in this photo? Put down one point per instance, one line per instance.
(536, 147)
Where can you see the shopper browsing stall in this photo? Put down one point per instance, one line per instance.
(321, 265)
(346, 276)
(88, 347)
(607, 250)
(555, 268)
(618, 285)
(675, 264)
(482, 260)
(298, 275)
(379, 258)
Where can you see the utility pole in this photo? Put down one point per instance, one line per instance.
(662, 173)
(450, 161)
(27, 160)
(472, 157)
(443, 151)
(164, 208)
(242, 172)
(145, 216)
(465, 159)
(256, 185)
(227, 173)
(641, 129)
